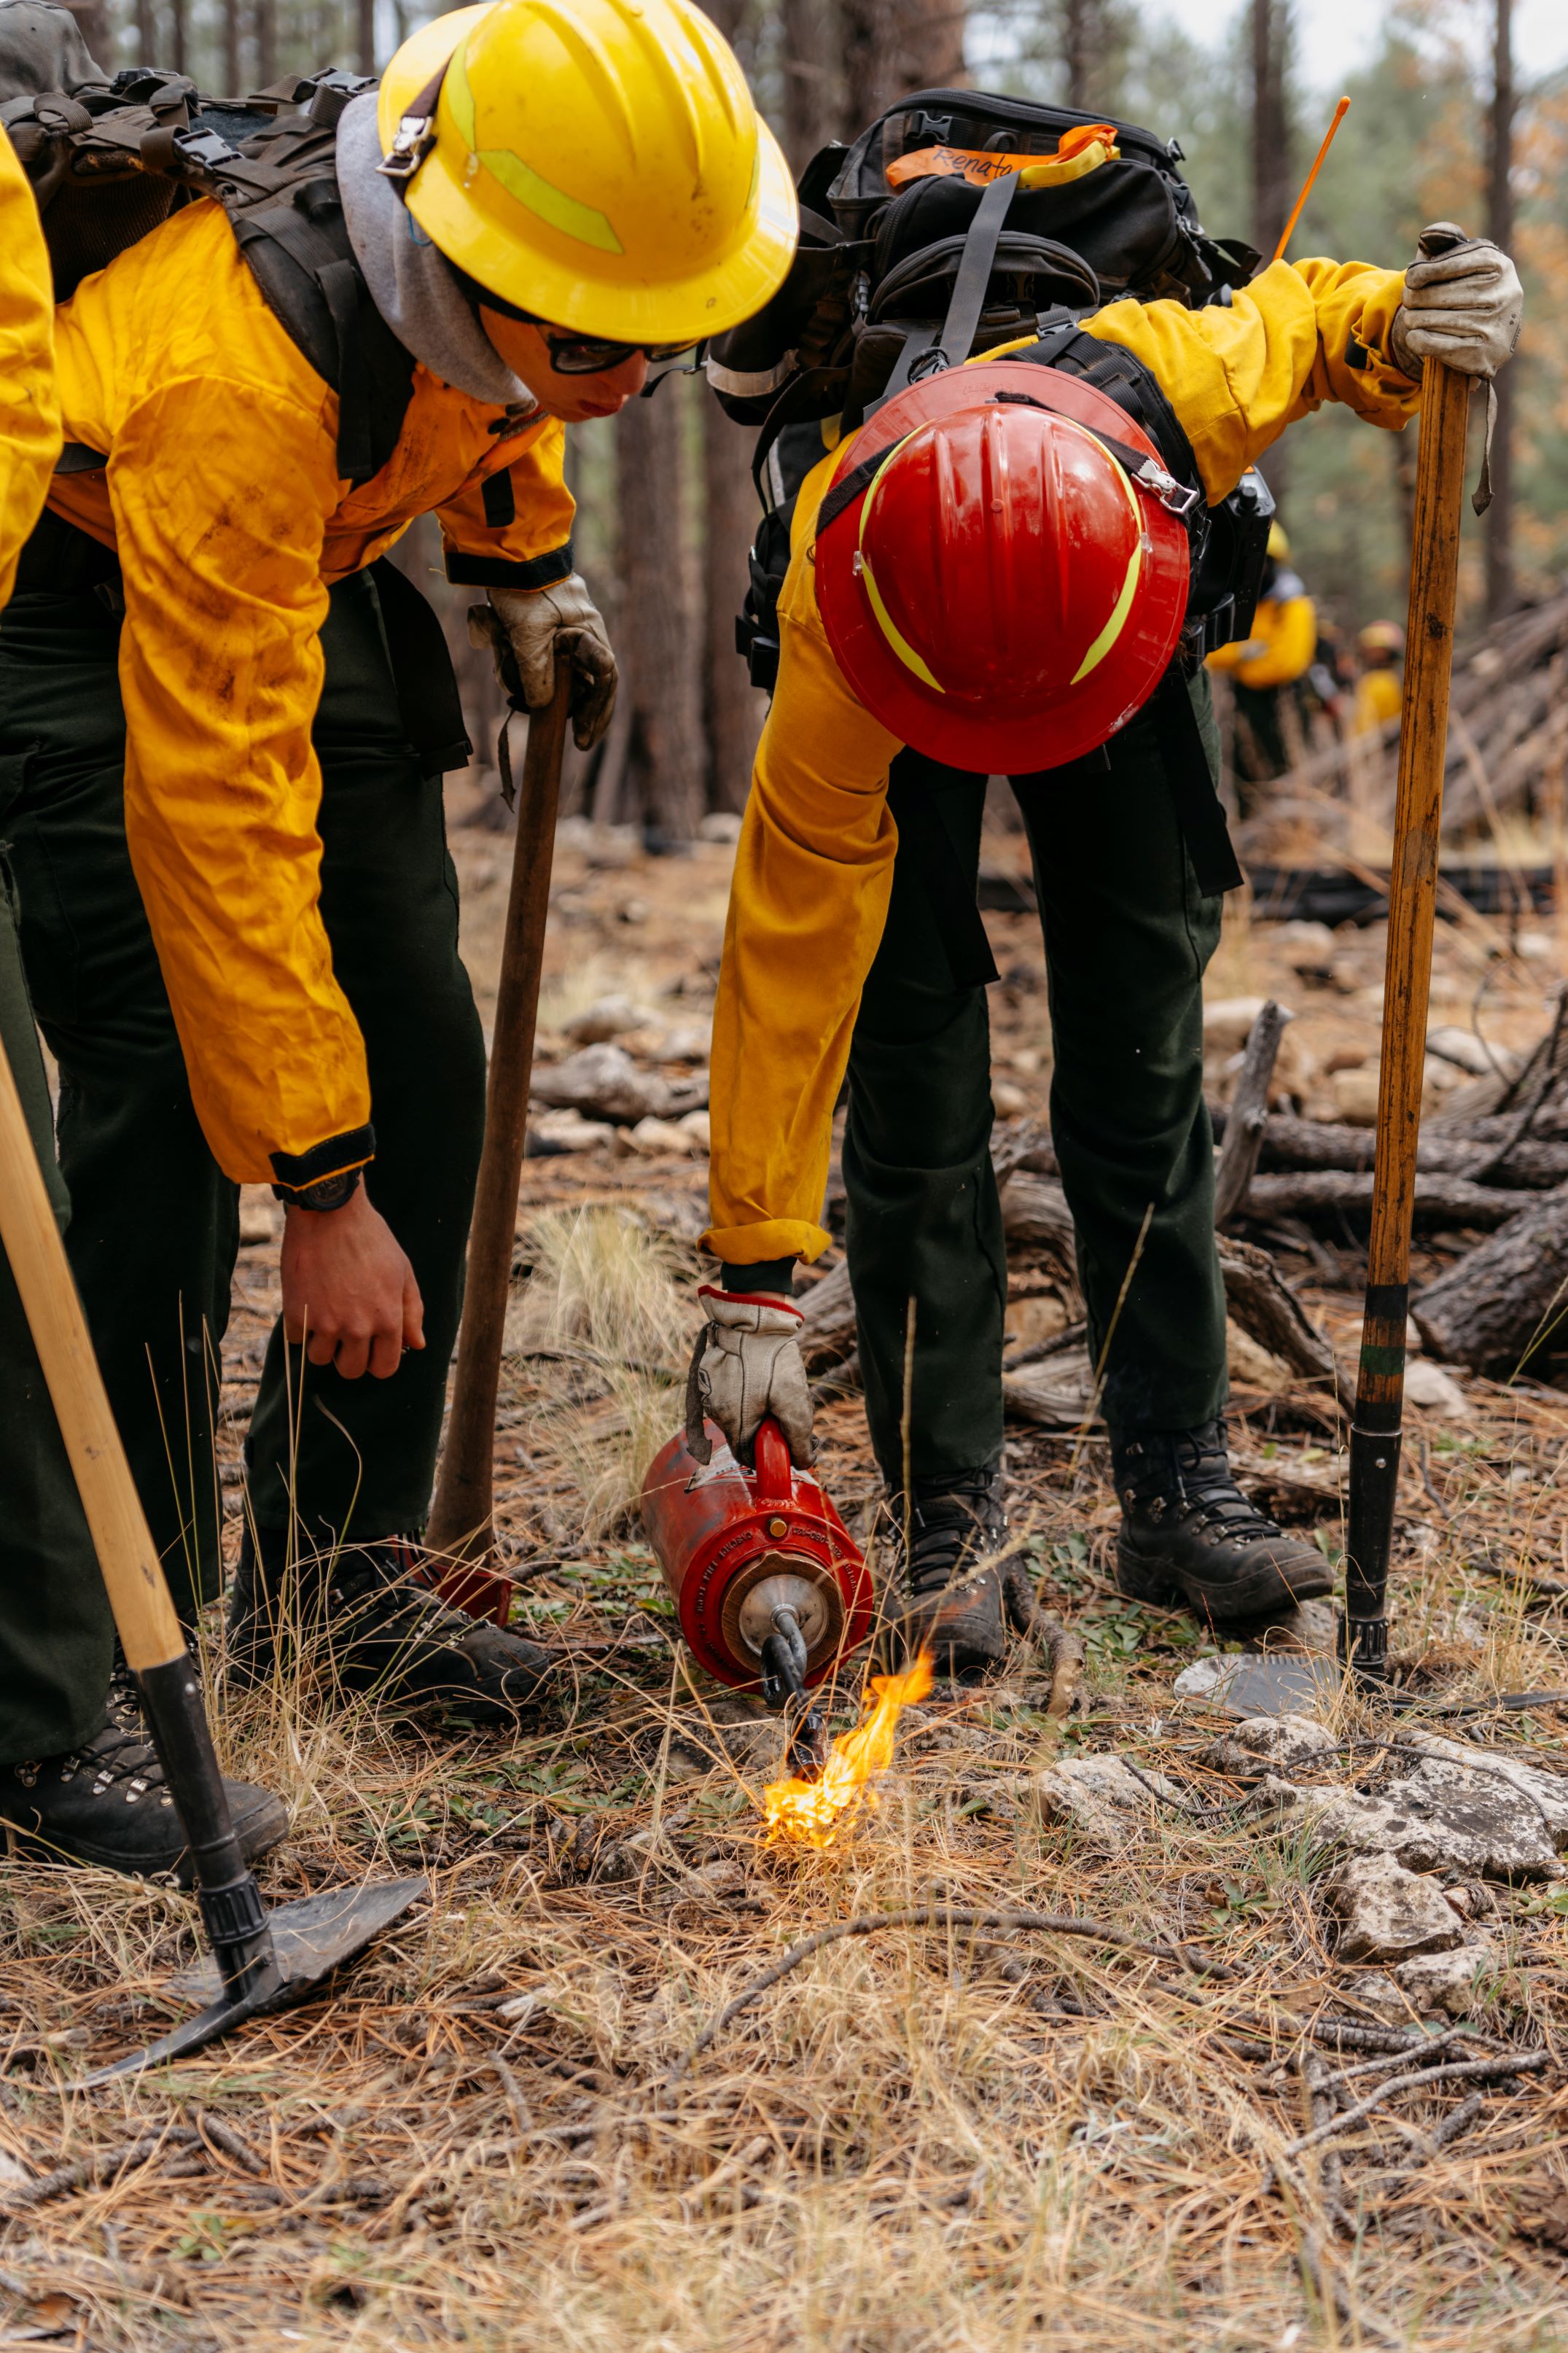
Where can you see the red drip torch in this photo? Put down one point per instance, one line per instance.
(770, 1589)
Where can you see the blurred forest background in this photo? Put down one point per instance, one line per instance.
(1443, 125)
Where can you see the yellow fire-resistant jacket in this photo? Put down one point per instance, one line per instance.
(814, 867)
(1379, 697)
(1279, 649)
(222, 496)
(29, 411)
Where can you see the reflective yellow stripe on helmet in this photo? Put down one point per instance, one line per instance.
(548, 203)
(1123, 605)
(885, 622)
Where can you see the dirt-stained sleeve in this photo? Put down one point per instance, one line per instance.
(1237, 374)
(29, 408)
(220, 494)
(814, 869)
(511, 524)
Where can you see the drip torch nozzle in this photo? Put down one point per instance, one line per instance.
(784, 1686)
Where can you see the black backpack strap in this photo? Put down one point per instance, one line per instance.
(1123, 379)
(921, 356)
(1146, 471)
(428, 699)
(297, 247)
(1200, 813)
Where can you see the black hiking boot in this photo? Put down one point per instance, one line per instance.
(956, 1608)
(1188, 1533)
(107, 1802)
(366, 1619)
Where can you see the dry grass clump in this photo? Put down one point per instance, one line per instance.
(601, 1331)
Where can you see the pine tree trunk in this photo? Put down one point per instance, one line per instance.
(732, 708)
(1271, 185)
(364, 36)
(265, 26)
(1077, 49)
(1501, 591)
(810, 108)
(146, 33)
(894, 46)
(179, 36)
(658, 635)
(233, 79)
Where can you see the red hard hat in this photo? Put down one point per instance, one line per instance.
(1002, 589)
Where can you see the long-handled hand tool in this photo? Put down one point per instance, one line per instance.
(265, 1960)
(1376, 1430)
(1274, 1685)
(462, 1516)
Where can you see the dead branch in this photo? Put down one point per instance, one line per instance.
(941, 1915)
(1269, 1310)
(1483, 2070)
(1250, 1109)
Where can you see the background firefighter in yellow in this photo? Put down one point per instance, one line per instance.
(840, 953)
(77, 1771)
(1380, 689)
(222, 724)
(1266, 671)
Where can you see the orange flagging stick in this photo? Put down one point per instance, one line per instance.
(1341, 112)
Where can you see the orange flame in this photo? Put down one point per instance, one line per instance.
(809, 1813)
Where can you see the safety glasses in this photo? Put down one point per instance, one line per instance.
(588, 356)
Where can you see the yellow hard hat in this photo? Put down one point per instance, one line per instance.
(597, 163)
(1278, 545)
(1381, 638)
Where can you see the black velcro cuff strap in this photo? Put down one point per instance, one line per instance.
(325, 1176)
(499, 572)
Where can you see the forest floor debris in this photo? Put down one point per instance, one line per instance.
(966, 2127)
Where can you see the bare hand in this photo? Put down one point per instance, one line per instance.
(349, 1291)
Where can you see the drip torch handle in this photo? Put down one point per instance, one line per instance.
(775, 1471)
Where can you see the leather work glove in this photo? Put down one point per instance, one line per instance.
(746, 1365)
(1464, 307)
(537, 625)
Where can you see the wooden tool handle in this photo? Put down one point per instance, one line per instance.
(1375, 1432)
(148, 1630)
(462, 1516)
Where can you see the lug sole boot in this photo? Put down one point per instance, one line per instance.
(957, 1607)
(361, 1616)
(1188, 1534)
(107, 1803)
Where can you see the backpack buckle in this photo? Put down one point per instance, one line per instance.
(414, 139)
(1178, 496)
(415, 136)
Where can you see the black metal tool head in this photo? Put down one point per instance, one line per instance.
(311, 1938)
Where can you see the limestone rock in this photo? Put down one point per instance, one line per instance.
(1099, 1796)
(606, 1018)
(1387, 1913)
(1280, 1741)
(1445, 1980)
(604, 1082)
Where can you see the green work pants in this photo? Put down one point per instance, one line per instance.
(154, 1228)
(1128, 935)
(55, 1634)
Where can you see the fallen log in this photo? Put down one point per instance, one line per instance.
(1440, 1200)
(1268, 1310)
(1296, 1144)
(1507, 1297)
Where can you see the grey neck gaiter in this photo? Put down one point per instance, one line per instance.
(410, 282)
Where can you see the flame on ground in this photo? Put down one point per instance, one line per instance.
(810, 1813)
